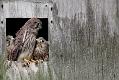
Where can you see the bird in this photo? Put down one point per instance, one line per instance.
(9, 45)
(41, 50)
(25, 40)
(9, 40)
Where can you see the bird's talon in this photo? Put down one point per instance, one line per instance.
(41, 61)
(26, 63)
(33, 61)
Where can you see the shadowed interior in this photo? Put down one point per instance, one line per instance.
(14, 24)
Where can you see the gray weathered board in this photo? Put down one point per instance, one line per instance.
(83, 35)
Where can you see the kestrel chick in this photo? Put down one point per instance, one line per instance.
(41, 50)
(9, 40)
(9, 46)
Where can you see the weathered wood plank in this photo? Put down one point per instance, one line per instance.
(34, 1)
(2, 28)
(21, 9)
(84, 43)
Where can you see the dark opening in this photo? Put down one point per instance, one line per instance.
(14, 24)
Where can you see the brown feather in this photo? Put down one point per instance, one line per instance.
(25, 39)
(41, 50)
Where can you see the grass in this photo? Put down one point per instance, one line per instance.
(40, 75)
(2, 67)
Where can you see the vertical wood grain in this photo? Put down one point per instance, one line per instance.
(84, 40)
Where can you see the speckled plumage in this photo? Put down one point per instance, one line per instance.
(9, 46)
(41, 50)
(25, 40)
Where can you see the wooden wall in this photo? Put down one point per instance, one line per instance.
(85, 43)
(83, 35)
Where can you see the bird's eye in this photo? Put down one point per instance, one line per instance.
(41, 41)
(35, 22)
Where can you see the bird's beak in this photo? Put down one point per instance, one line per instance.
(36, 39)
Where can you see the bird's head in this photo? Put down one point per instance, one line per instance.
(9, 37)
(41, 42)
(34, 23)
(9, 40)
